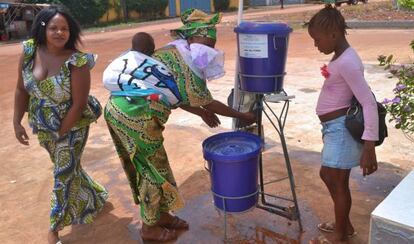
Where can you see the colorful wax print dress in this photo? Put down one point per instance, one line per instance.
(76, 198)
(136, 125)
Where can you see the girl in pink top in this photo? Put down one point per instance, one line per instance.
(344, 78)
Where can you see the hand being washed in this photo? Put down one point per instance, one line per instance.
(210, 118)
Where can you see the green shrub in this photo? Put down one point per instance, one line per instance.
(246, 4)
(221, 5)
(86, 12)
(408, 4)
(148, 9)
(401, 106)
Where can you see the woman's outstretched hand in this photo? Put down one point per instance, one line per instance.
(210, 118)
(21, 134)
(368, 162)
(249, 118)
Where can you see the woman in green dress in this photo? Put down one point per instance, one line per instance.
(136, 124)
(53, 87)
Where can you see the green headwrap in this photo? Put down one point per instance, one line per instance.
(197, 23)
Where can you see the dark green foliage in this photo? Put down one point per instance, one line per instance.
(148, 9)
(86, 12)
(408, 4)
(221, 5)
(246, 4)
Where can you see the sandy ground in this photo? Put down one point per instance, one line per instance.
(26, 178)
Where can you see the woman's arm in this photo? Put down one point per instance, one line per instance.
(80, 83)
(208, 117)
(21, 102)
(222, 109)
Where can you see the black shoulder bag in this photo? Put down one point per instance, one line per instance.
(354, 121)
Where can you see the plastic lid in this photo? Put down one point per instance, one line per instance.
(231, 146)
(263, 28)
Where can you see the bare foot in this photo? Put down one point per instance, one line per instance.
(52, 237)
(157, 233)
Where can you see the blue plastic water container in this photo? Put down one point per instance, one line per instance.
(233, 160)
(262, 49)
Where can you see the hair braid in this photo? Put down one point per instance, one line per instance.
(329, 19)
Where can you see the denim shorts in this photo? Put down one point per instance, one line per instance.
(339, 150)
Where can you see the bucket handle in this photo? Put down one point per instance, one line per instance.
(206, 166)
(274, 41)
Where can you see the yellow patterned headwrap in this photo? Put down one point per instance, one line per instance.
(197, 23)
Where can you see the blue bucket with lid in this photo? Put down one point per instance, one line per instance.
(233, 161)
(262, 49)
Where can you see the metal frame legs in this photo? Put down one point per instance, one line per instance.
(291, 213)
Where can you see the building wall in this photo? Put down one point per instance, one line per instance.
(258, 2)
(177, 7)
(204, 5)
(234, 4)
(112, 14)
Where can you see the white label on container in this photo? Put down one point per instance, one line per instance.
(253, 45)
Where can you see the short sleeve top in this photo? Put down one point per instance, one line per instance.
(50, 99)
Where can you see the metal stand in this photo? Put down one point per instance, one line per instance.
(278, 123)
(225, 209)
(224, 198)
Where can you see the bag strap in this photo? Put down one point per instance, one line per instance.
(354, 99)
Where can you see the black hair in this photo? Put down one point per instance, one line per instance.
(144, 43)
(328, 19)
(38, 32)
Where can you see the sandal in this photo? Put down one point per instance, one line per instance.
(177, 223)
(329, 227)
(352, 234)
(165, 235)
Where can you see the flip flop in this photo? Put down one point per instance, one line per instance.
(177, 223)
(329, 227)
(166, 235)
(353, 234)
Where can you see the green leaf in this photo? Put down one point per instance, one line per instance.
(389, 59)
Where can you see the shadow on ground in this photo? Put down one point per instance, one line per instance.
(253, 226)
(259, 226)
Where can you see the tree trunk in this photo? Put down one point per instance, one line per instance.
(124, 10)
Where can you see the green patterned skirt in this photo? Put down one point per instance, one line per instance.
(136, 127)
(76, 198)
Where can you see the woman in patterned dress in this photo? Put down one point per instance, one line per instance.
(53, 86)
(136, 124)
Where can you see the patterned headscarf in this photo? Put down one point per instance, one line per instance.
(197, 23)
